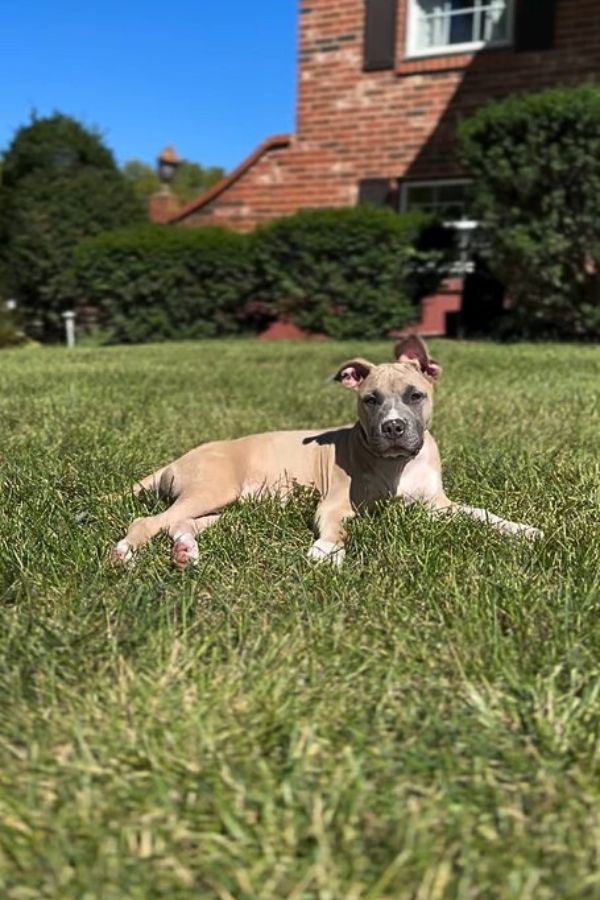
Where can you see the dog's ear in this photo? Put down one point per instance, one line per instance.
(353, 373)
(413, 350)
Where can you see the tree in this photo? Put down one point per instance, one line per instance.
(142, 178)
(535, 161)
(59, 185)
(190, 179)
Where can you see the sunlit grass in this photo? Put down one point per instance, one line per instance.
(422, 724)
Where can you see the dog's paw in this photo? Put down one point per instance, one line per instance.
(121, 553)
(530, 533)
(526, 532)
(185, 551)
(327, 551)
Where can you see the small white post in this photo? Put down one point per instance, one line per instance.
(69, 317)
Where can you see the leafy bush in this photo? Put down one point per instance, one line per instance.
(10, 334)
(535, 160)
(59, 184)
(346, 272)
(160, 282)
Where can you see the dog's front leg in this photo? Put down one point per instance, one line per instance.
(442, 505)
(331, 514)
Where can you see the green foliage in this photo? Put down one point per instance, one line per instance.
(154, 283)
(55, 145)
(536, 164)
(10, 333)
(346, 272)
(59, 185)
(142, 178)
(190, 179)
(422, 724)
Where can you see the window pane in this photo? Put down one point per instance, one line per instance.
(420, 196)
(455, 5)
(442, 23)
(461, 28)
(432, 31)
(449, 201)
(451, 193)
(495, 23)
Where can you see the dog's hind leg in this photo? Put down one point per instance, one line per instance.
(184, 532)
(139, 533)
(189, 506)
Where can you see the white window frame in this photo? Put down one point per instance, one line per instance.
(431, 183)
(413, 52)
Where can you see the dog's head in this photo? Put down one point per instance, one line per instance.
(394, 399)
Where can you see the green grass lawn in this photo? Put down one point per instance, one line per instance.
(424, 723)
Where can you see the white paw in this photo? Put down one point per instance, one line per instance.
(530, 533)
(185, 550)
(327, 551)
(121, 553)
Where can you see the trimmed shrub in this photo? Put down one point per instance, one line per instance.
(59, 184)
(344, 273)
(535, 160)
(347, 273)
(159, 282)
(10, 333)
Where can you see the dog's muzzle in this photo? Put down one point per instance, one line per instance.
(396, 439)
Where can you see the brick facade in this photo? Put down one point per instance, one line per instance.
(399, 123)
(394, 123)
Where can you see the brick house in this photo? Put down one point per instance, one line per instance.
(381, 86)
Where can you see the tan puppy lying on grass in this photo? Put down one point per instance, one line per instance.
(388, 452)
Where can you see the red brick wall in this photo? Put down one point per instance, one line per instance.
(353, 125)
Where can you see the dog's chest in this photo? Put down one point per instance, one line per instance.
(372, 487)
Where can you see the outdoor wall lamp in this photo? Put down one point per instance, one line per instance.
(465, 230)
(167, 163)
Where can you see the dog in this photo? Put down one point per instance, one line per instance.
(387, 453)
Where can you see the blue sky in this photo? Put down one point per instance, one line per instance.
(211, 77)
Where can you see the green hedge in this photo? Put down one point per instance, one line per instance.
(346, 273)
(535, 160)
(160, 282)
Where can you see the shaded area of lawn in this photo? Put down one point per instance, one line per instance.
(423, 723)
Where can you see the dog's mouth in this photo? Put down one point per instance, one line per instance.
(395, 449)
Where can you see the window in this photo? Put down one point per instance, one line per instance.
(451, 26)
(449, 201)
(446, 199)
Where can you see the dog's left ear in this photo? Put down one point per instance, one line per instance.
(353, 373)
(414, 350)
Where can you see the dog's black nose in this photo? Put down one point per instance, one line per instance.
(394, 428)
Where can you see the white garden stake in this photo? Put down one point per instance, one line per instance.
(69, 317)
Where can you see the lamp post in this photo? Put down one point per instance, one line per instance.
(163, 204)
(465, 229)
(166, 168)
(69, 317)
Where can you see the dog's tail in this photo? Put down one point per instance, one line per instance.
(151, 484)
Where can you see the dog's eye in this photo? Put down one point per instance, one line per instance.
(416, 397)
(371, 400)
